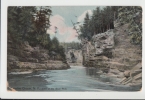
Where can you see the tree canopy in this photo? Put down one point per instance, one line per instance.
(103, 20)
(29, 23)
(99, 22)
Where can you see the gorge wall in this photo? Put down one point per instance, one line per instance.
(23, 57)
(77, 60)
(114, 54)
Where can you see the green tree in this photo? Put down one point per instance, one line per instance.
(100, 21)
(133, 16)
(85, 29)
(41, 19)
(19, 22)
(30, 24)
(55, 44)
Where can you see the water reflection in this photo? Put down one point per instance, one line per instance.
(77, 78)
(94, 72)
(91, 71)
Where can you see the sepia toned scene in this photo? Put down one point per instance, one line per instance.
(74, 48)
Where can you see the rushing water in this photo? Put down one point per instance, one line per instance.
(77, 78)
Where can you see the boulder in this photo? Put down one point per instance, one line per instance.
(134, 76)
(127, 73)
(103, 41)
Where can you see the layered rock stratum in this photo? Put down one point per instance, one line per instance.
(114, 54)
(23, 57)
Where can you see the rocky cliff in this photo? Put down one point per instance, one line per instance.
(114, 54)
(77, 60)
(23, 57)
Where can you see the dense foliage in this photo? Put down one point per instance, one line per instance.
(26, 23)
(30, 24)
(99, 22)
(103, 19)
(133, 16)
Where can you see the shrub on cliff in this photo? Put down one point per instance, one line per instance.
(133, 16)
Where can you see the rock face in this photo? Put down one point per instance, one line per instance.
(103, 41)
(77, 55)
(25, 58)
(99, 51)
(114, 54)
(88, 50)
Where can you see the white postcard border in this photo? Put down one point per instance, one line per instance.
(63, 95)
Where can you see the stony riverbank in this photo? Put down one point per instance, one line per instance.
(23, 57)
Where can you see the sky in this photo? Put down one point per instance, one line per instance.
(61, 18)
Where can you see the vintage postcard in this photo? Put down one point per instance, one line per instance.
(74, 48)
(79, 51)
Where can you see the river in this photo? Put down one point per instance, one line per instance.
(77, 78)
